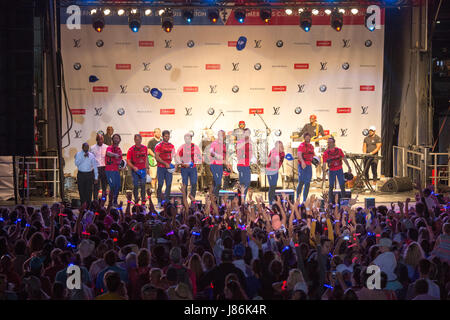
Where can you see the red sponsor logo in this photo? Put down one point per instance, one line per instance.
(212, 67)
(146, 43)
(278, 88)
(323, 43)
(366, 88)
(123, 66)
(147, 134)
(166, 111)
(256, 111)
(232, 43)
(326, 132)
(100, 89)
(190, 89)
(301, 65)
(78, 111)
(344, 110)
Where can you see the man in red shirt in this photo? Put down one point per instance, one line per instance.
(333, 157)
(305, 153)
(137, 160)
(276, 157)
(244, 152)
(164, 153)
(112, 160)
(188, 157)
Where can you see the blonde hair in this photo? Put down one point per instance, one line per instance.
(196, 265)
(295, 276)
(413, 254)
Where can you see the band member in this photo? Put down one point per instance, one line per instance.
(333, 157)
(87, 173)
(112, 161)
(137, 160)
(164, 153)
(151, 155)
(206, 177)
(244, 153)
(99, 151)
(305, 154)
(371, 145)
(188, 157)
(238, 133)
(218, 153)
(108, 136)
(275, 160)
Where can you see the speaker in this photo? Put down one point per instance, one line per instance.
(397, 185)
(347, 195)
(369, 203)
(75, 204)
(228, 195)
(178, 196)
(289, 192)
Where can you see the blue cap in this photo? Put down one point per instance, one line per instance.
(191, 165)
(93, 79)
(242, 41)
(172, 166)
(289, 157)
(156, 93)
(142, 173)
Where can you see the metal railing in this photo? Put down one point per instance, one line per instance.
(440, 172)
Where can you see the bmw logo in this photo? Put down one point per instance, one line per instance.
(168, 66)
(298, 110)
(77, 66)
(99, 43)
(121, 111)
(323, 88)
(345, 65)
(257, 66)
(235, 89)
(211, 111)
(368, 43)
(280, 43)
(365, 132)
(191, 132)
(190, 43)
(146, 89)
(278, 133)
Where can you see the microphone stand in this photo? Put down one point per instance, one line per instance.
(267, 151)
(221, 113)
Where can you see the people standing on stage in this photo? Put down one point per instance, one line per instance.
(137, 160)
(244, 153)
(112, 162)
(305, 153)
(218, 159)
(371, 145)
(99, 151)
(87, 173)
(188, 157)
(151, 155)
(205, 175)
(108, 136)
(333, 157)
(164, 152)
(274, 162)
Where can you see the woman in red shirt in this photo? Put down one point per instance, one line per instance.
(112, 161)
(276, 157)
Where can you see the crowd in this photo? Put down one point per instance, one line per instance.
(228, 249)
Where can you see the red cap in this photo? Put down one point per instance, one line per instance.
(242, 122)
(313, 116)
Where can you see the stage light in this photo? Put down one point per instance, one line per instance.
(134, 21)
(120, 12)
(239, 15)
(161, 12)
(306, 20)
(106, 12)
(265, 15)
(167, 20)
(148, 12)
(300, 10)
(288, 11)
(98, 21)
(370, 25)
(328, 11)
(133, 11)
(188, 15)
(354, 11)
(93, 11)
(337, 20)
(341, 10)
(213, 15)
(315, 12)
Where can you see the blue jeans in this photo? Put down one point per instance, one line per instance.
(217, 172)
(113, 178)
(273, 178)
(304, 179)
(163, 175)
(190, 174)
(332, 178)
(138, 183)
(244, 177)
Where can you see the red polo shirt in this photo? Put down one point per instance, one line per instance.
(334, 158)
(307, 150)
(166, 151)
(138, 156)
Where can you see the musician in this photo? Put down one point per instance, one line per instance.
(137, 160)
(87, 173)
(218, 153)
(371, 145)
(305, 154)
(164, 153)
(244, 153)
(333, 157)
(188, 157)
(238, 133)
(274, 162)
(108, 136)
(151, 155)
(99, 151)
(206, 177)
(112, 160)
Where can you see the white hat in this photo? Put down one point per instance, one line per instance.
(123, 164)
(372, 128)
(301, 286)
(86, 248)
(387, 263)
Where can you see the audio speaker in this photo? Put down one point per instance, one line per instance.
(369, 203)
(347, 195)
(397, 185)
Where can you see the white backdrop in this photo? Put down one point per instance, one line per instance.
(350, 104)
